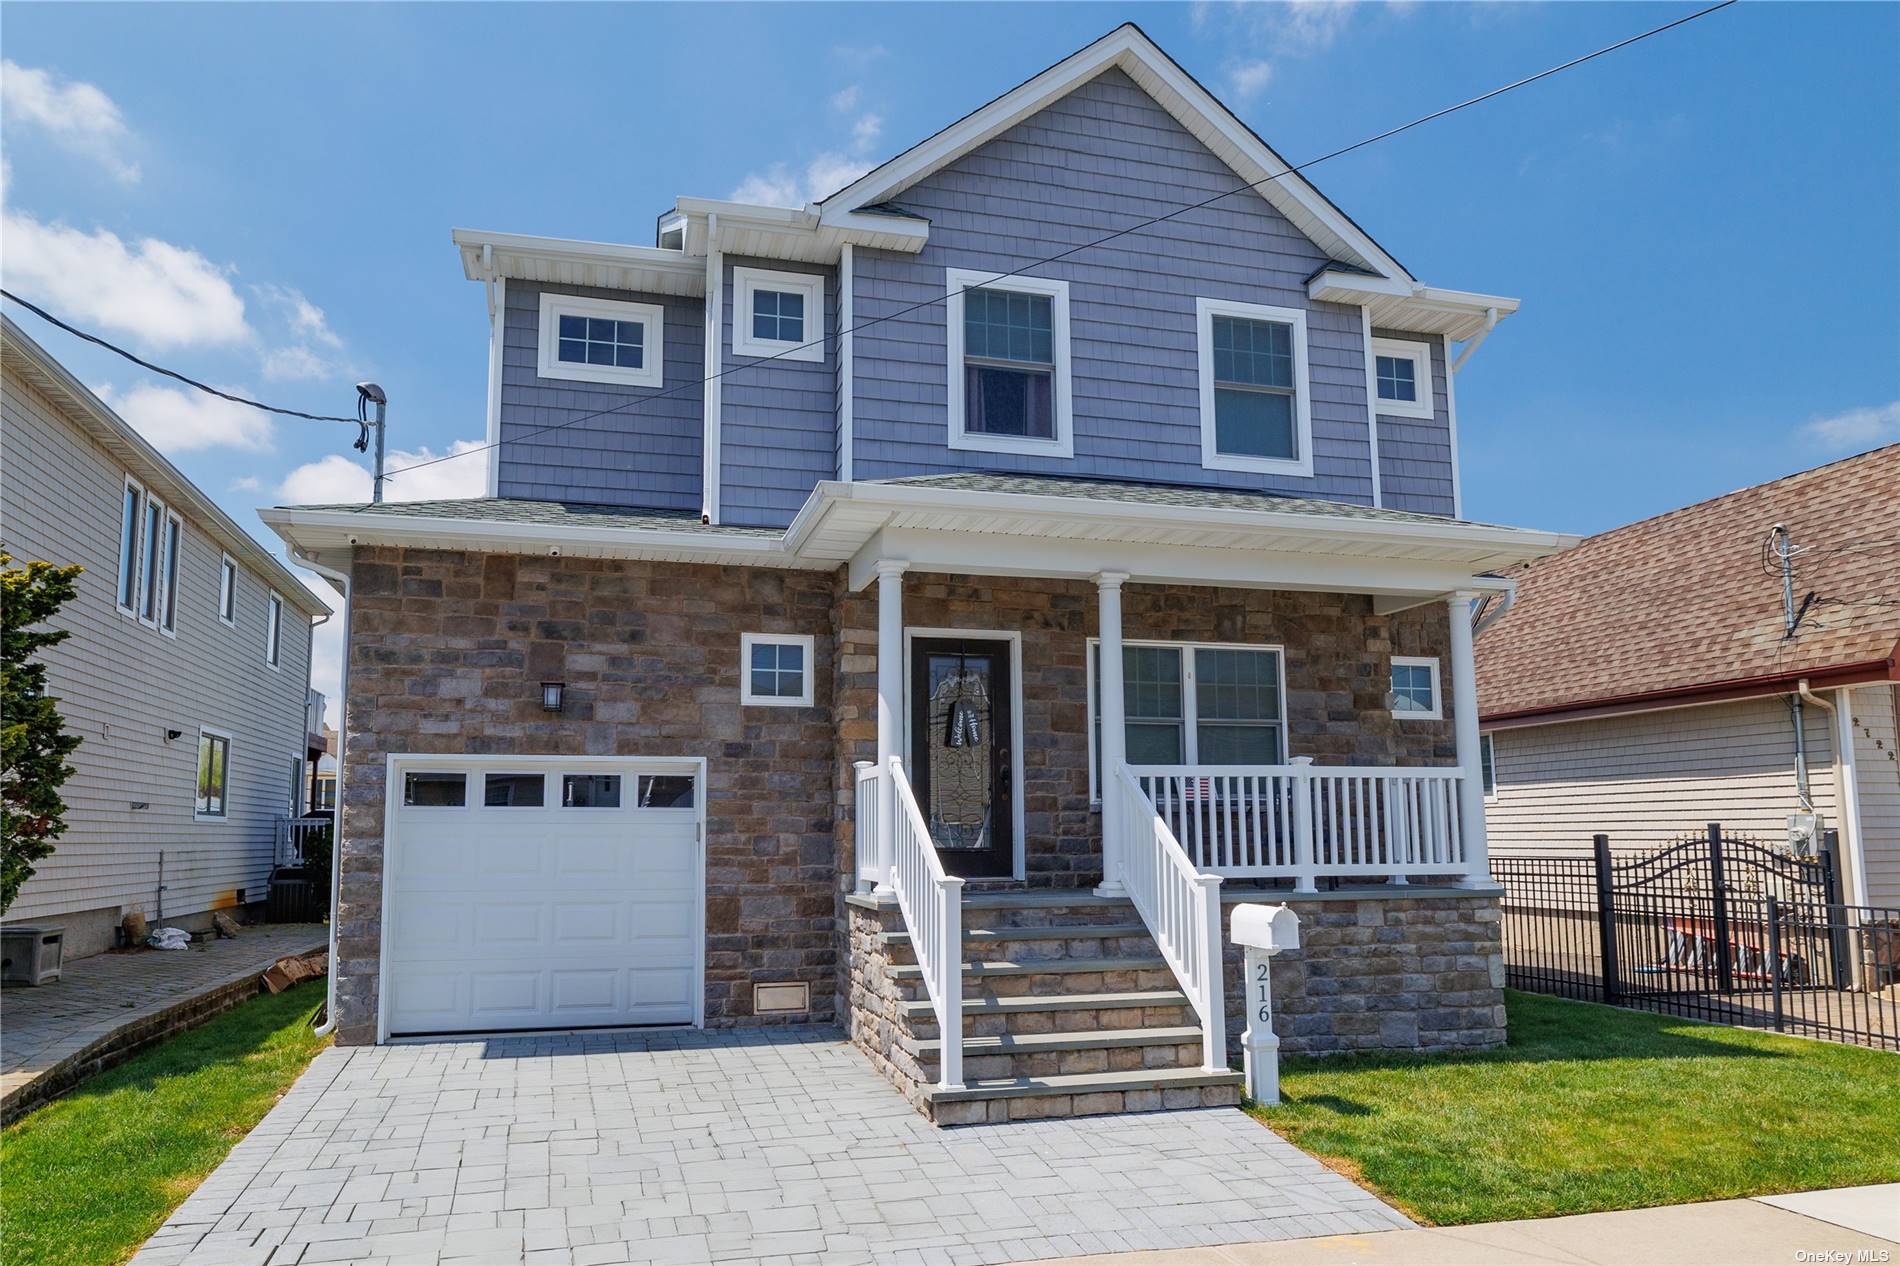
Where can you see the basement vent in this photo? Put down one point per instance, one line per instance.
(787, 996)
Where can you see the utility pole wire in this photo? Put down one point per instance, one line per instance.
(76, 332)
(1123, 232)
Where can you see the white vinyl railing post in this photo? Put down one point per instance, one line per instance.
(1213, 981)
(1305, 850)
(950, 920)
(1108, 587)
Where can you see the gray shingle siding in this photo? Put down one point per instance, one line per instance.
(646, 454)
(1102, 157)
(778, 420)
(1415, 455)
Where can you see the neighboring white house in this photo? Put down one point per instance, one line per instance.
(185, 678)
(1646, 682)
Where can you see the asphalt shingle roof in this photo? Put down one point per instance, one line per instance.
(1685, 600)
(552, 513)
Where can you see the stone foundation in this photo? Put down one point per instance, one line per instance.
(871, 999)
(1423, 972)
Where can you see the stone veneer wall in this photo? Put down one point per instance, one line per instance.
(871, 998)
(1338, 656)
(1424, 972)
(447, 653)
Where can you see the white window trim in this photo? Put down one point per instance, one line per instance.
(1437, 712)
(650, 315)
(227, 599)
(230, 746)
(151, 578)
(811, 285)
(1301, 464)
(274, 629)
(129, 557)
(1487, 744)
(956, 281)
(747, 641)
(173, 527)
(1420, 354)
(1190, 705)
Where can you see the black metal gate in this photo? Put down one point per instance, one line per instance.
(1713, 926)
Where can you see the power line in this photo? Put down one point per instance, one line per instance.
(1123, 232)
(76, 332)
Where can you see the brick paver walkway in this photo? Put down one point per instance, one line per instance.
(98, 996)
(777, 1146)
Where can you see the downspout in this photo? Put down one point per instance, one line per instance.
(342, 581)
(1505, 602)
(1846, 782)
(1477, 341)
(715, 356)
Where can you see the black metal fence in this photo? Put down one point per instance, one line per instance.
(1713, 927)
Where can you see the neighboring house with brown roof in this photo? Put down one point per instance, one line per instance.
(1646, 681)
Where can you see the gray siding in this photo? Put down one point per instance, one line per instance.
(1100, 158)
(122, 685)
(1415, 456)
(646, 453)
(778, 420)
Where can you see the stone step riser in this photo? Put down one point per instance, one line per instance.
(1048, 984)
(1039, 950)
(1117, 1059)
(1035, 1107)
(1092, 1020)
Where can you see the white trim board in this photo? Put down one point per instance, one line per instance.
(1019, 861)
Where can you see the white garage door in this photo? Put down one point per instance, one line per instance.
(542, 894)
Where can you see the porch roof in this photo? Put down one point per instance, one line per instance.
(982, 524)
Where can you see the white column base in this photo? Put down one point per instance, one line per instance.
(1114, 890)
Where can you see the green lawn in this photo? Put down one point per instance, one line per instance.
(90, 1177)
(1592, 1108)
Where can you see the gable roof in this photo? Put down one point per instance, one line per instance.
(1687, 606)
(37, 366)
(1181, 95)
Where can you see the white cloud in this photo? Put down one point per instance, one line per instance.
(1857, 429)
(167, 296)
(249, 483)
(846, 99)
(289, 363)
(1248, 79)
(304, 357)
(178, 420)
(1312, 26)
(337, 480)
(784, 185)
(865, 131)
(78, 116)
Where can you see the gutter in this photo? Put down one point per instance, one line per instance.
(342, 581)
(1866, 672)
(1477, 340)
(1506, 600)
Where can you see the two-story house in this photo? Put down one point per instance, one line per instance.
(185, 677)
(876, 620)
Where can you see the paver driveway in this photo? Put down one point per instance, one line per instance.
(767, 1145)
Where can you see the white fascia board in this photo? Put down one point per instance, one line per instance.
(803, 235)
(1512, 544)
(618, 255)
(1129, 48)
(316, 530)
(1403, 307)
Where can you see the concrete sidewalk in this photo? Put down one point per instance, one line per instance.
(1811, 1226)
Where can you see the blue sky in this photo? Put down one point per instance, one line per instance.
(1701, 228)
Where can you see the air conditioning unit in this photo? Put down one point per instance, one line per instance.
(31, 955)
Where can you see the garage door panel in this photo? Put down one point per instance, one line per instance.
(510, 917)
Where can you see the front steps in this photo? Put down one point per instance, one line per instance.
(1069, 1010)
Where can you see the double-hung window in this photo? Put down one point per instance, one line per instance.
(1402, 377)
(214, 774)
(1488, 766)
(601, 340)
(168, 573)
(151, 567)
(227, 589)
(776, 670)
(1008, 345)
(1256, 411)
(1414, 693)
(274, 631)
(1193, 704)
(150, 541)
(777, 314)
(129, 513)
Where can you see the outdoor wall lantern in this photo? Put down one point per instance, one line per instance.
(551, 695)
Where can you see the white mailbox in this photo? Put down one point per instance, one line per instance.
(1262, 932)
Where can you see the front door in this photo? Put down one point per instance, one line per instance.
(960, 752)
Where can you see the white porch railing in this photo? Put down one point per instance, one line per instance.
(932, 904)
(867, 810)
(1305, 822)
(1181, 907)
(292, 833)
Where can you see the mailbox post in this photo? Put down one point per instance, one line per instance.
(1262, 932)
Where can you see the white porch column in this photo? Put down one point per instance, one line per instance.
(1108, 587)
(890, 703)
(1464, 716)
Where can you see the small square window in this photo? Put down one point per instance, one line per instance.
(667, 791)
(514, 791)
(590, 791)
(1414, 693)
(776, 670)
(778, 314)
(1402, 377)
(434, 790)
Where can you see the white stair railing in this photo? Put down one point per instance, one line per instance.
(874, 866)
(1181, 907)
(932, 905)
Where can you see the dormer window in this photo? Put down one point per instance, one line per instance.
(780, 315)
(1402, 375)
(1008, 343)
(1255, 407)
(601, 340)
